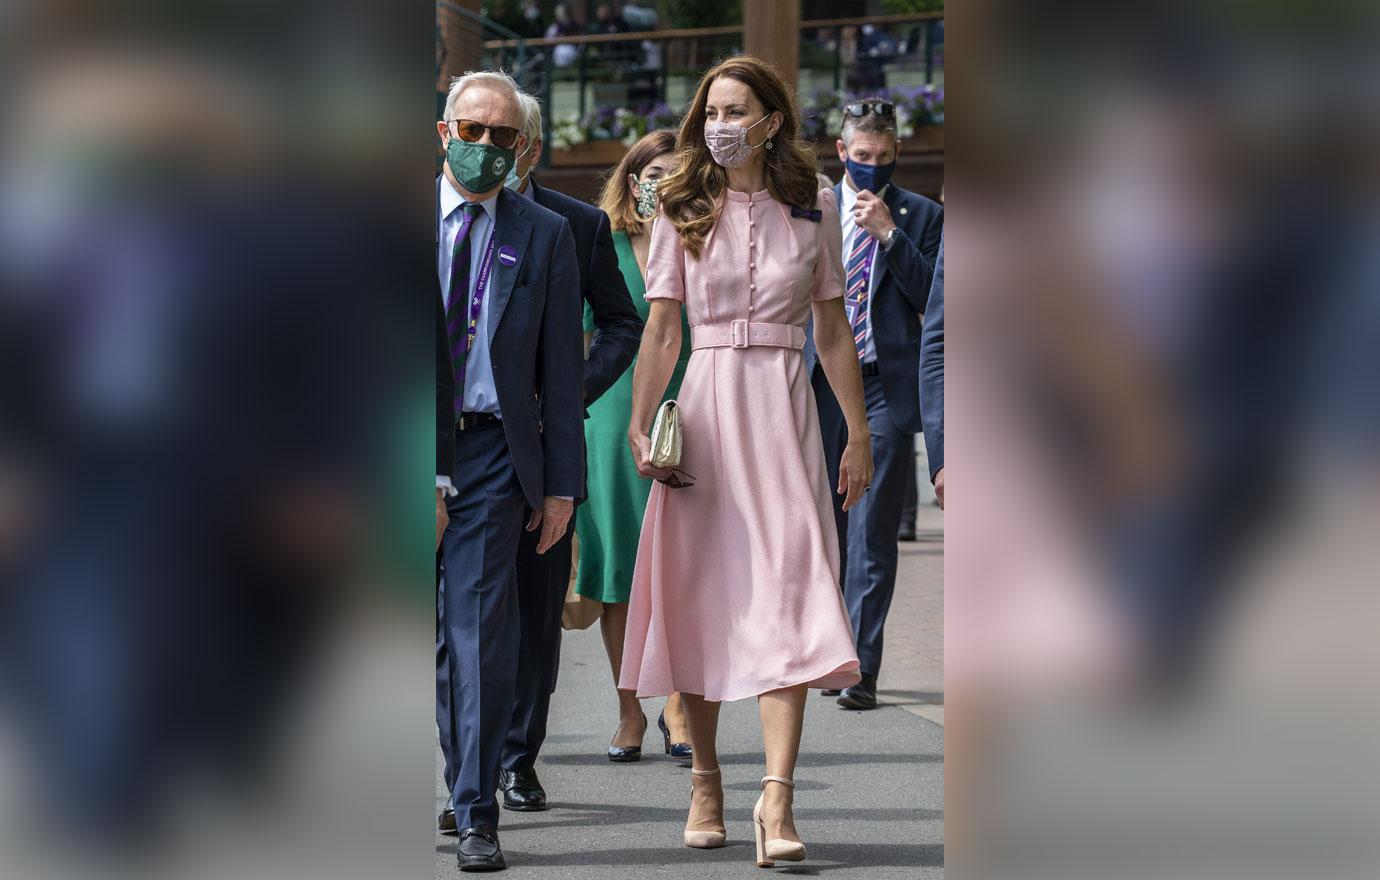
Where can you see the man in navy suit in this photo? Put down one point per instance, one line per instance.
(932, 377)
(508, 272)
(890, 242)
(543, 578)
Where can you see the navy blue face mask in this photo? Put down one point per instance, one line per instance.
(869, 177)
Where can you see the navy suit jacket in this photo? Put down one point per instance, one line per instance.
(932, 369)
(618, 327)
(537, 348)
(445, 397)
(900, 289)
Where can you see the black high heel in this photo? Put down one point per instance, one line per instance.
(627, 754)
(679, 751)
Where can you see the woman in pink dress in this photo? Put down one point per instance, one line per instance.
(736, 591)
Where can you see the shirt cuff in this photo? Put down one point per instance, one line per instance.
(445, 484)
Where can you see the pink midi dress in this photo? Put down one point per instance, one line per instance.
(736, 586)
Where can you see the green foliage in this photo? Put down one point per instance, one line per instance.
(903, 7)
(702, 13)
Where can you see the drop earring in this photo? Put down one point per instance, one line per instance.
(768, 143)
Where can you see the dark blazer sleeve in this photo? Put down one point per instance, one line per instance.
(445, 396)
(932, 369)
(911, 260)
(618, 328)
(562, 359)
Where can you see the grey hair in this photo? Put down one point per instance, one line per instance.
(495, 79)
(871, 124)
(531, 116)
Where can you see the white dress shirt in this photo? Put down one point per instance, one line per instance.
(850, 198)
(480, 392)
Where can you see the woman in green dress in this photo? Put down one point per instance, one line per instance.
(609, 524)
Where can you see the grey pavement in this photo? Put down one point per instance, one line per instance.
(870, 785)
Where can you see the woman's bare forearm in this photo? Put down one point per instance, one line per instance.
(656, 361)
(838, 354)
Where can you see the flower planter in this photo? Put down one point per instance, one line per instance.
(600, 153)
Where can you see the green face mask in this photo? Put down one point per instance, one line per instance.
(478, 167)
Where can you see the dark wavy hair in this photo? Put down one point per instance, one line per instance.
(690, 198)
(616, 198)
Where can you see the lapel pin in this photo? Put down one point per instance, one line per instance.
(904, 210)
(507, 256)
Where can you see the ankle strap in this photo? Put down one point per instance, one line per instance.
(714, 772)
(781, 779)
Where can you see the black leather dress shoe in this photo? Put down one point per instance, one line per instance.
(862, 695)
(522, 790)
(445, 823)
(830, 692)
(906, 532)
(479, 850)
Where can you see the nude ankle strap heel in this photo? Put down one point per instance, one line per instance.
(769, 852)
(705, 839)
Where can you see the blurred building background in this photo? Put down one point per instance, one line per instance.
(608, 72)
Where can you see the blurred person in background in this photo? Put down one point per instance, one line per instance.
(735, 591)
(891, 239)
(616, 331)
(609, 523)
(564, 26)
(512, 284)
(193, 483)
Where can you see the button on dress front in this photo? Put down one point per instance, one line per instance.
(736, 585)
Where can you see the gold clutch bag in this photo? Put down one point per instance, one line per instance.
(666, 437)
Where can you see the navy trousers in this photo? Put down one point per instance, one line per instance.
(477, 622)
(869, 530)
(834, 432)
(542, 582)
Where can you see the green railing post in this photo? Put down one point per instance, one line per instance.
(838, 58)
(929, 51)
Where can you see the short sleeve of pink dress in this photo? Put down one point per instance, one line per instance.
(829, 277)
(665, 262)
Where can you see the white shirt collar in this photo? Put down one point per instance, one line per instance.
(451, 200)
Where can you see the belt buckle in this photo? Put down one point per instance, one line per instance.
(739, 330)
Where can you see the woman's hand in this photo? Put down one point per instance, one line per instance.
(855, 470)
(641, 446)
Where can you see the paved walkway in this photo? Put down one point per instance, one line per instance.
(869, 797)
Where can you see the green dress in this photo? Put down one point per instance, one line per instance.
(609, 524)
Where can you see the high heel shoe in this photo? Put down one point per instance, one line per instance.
(680, 751)
(769, 852)
(627, 754)
(705, 839)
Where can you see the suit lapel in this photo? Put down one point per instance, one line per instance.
(512, 230)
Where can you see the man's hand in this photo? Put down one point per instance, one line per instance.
(855, 470)
(872, 214)
(939, 487)
(442, 518)
(554, 518)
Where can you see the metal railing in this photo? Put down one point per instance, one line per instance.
(593, 75)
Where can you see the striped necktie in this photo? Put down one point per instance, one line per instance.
(462, 313)
(859, 265)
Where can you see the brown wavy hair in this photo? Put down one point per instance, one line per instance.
(690, 198)
(616, 198)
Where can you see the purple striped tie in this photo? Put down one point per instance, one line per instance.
(859, 265)
(462, 312)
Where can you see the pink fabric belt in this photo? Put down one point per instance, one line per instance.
(743, 334)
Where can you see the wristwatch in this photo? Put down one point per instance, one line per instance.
(890, 238)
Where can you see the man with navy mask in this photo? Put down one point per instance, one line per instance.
(510, 287)
(890, 243)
